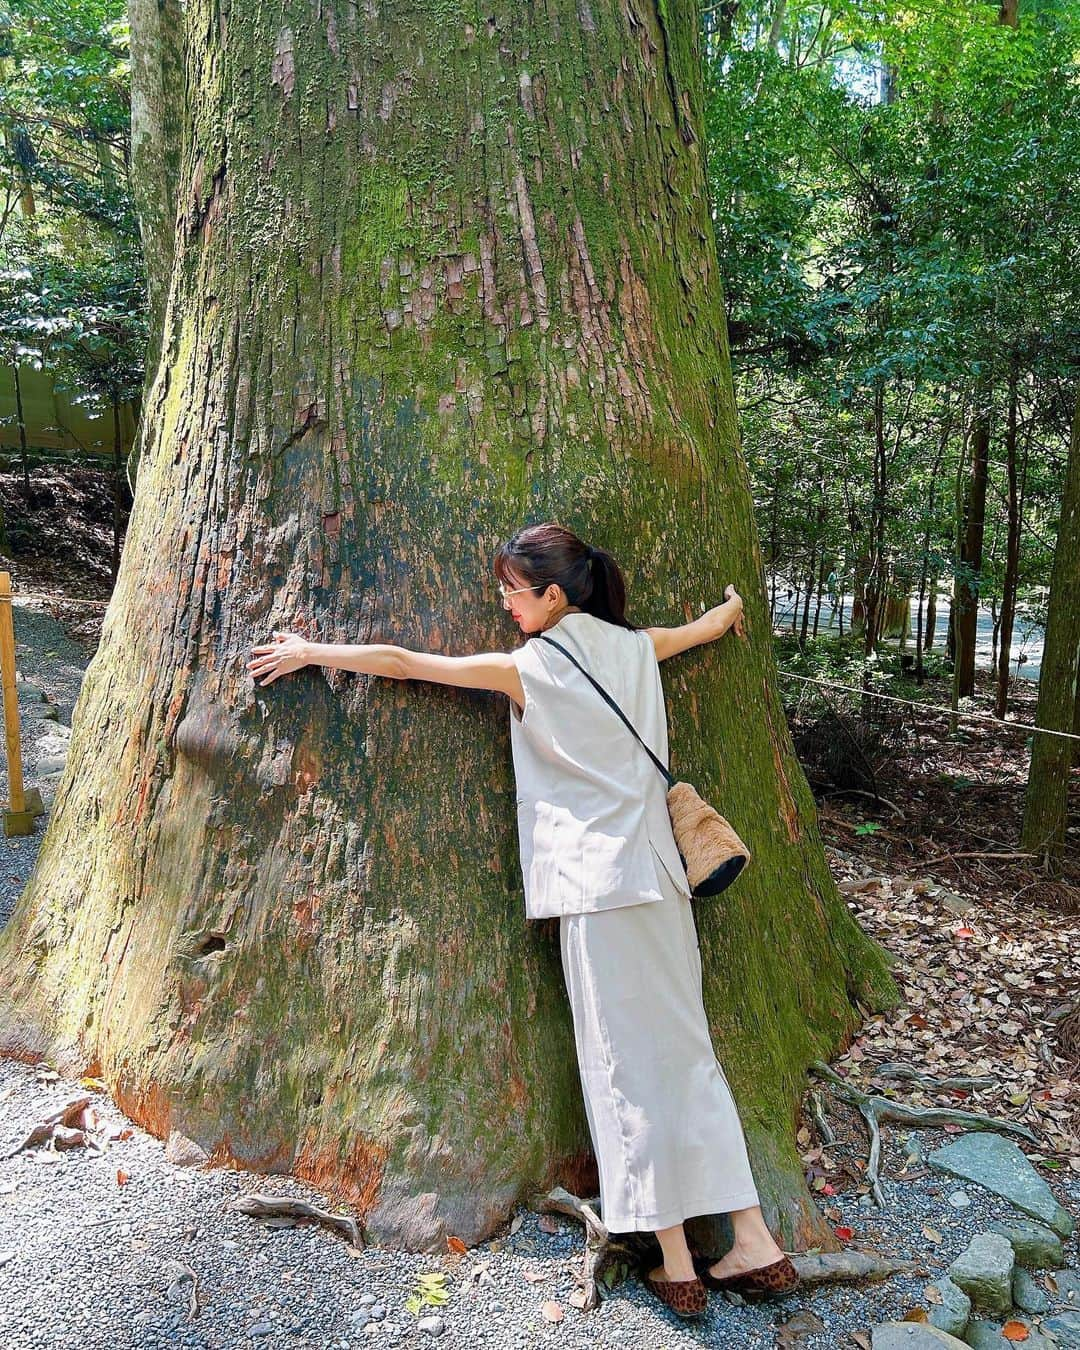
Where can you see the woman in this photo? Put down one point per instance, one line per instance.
(597, 852)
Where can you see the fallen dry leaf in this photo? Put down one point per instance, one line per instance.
(552, 1311)
(1015, 1331)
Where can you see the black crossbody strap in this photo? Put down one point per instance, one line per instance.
(611, 702)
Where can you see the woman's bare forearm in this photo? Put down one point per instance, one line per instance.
(368, 658)
(718, 620)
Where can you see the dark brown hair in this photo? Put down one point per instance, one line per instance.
(546, 553)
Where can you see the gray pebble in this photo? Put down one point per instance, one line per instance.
(434, 1326)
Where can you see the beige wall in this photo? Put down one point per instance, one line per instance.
(53, 422)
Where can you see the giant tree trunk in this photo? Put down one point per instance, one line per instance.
(438, 271)
(1046, 804)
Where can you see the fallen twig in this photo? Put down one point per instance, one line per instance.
(875, 797)
(43, 1130)
(185, 1272)
(950, 857)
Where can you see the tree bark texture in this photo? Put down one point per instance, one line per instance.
(438, 272)
(1046, 803)
(1011, 580)
(967, 587)
(158, 120)
(157, 127)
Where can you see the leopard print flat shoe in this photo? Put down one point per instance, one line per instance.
(771, 1281)
(687, 1298)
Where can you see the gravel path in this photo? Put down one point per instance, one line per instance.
(91, 1263)
(88, 1262)
(50, 668)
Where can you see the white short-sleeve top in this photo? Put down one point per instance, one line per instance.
(593, 823)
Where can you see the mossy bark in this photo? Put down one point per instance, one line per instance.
(438, 271)
(1046, 804)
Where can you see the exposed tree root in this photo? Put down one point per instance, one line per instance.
(262, 1206)
(846, 1266)
(894, 1069)
(821, 1123)
(874, 1109)
(607, 1260)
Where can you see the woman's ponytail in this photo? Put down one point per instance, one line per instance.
(608, 594)
(549, 552)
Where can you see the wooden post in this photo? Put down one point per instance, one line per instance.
(19, 818)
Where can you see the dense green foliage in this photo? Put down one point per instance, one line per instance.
(898, 224)
(71, 283)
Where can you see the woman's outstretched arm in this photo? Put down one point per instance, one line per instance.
(292, 651)
(708, 627)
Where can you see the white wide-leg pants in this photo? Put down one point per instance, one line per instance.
(664, 1126)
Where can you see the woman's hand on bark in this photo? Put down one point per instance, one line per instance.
(730, 593)
(287, 652)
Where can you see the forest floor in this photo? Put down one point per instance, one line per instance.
(987, 958)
